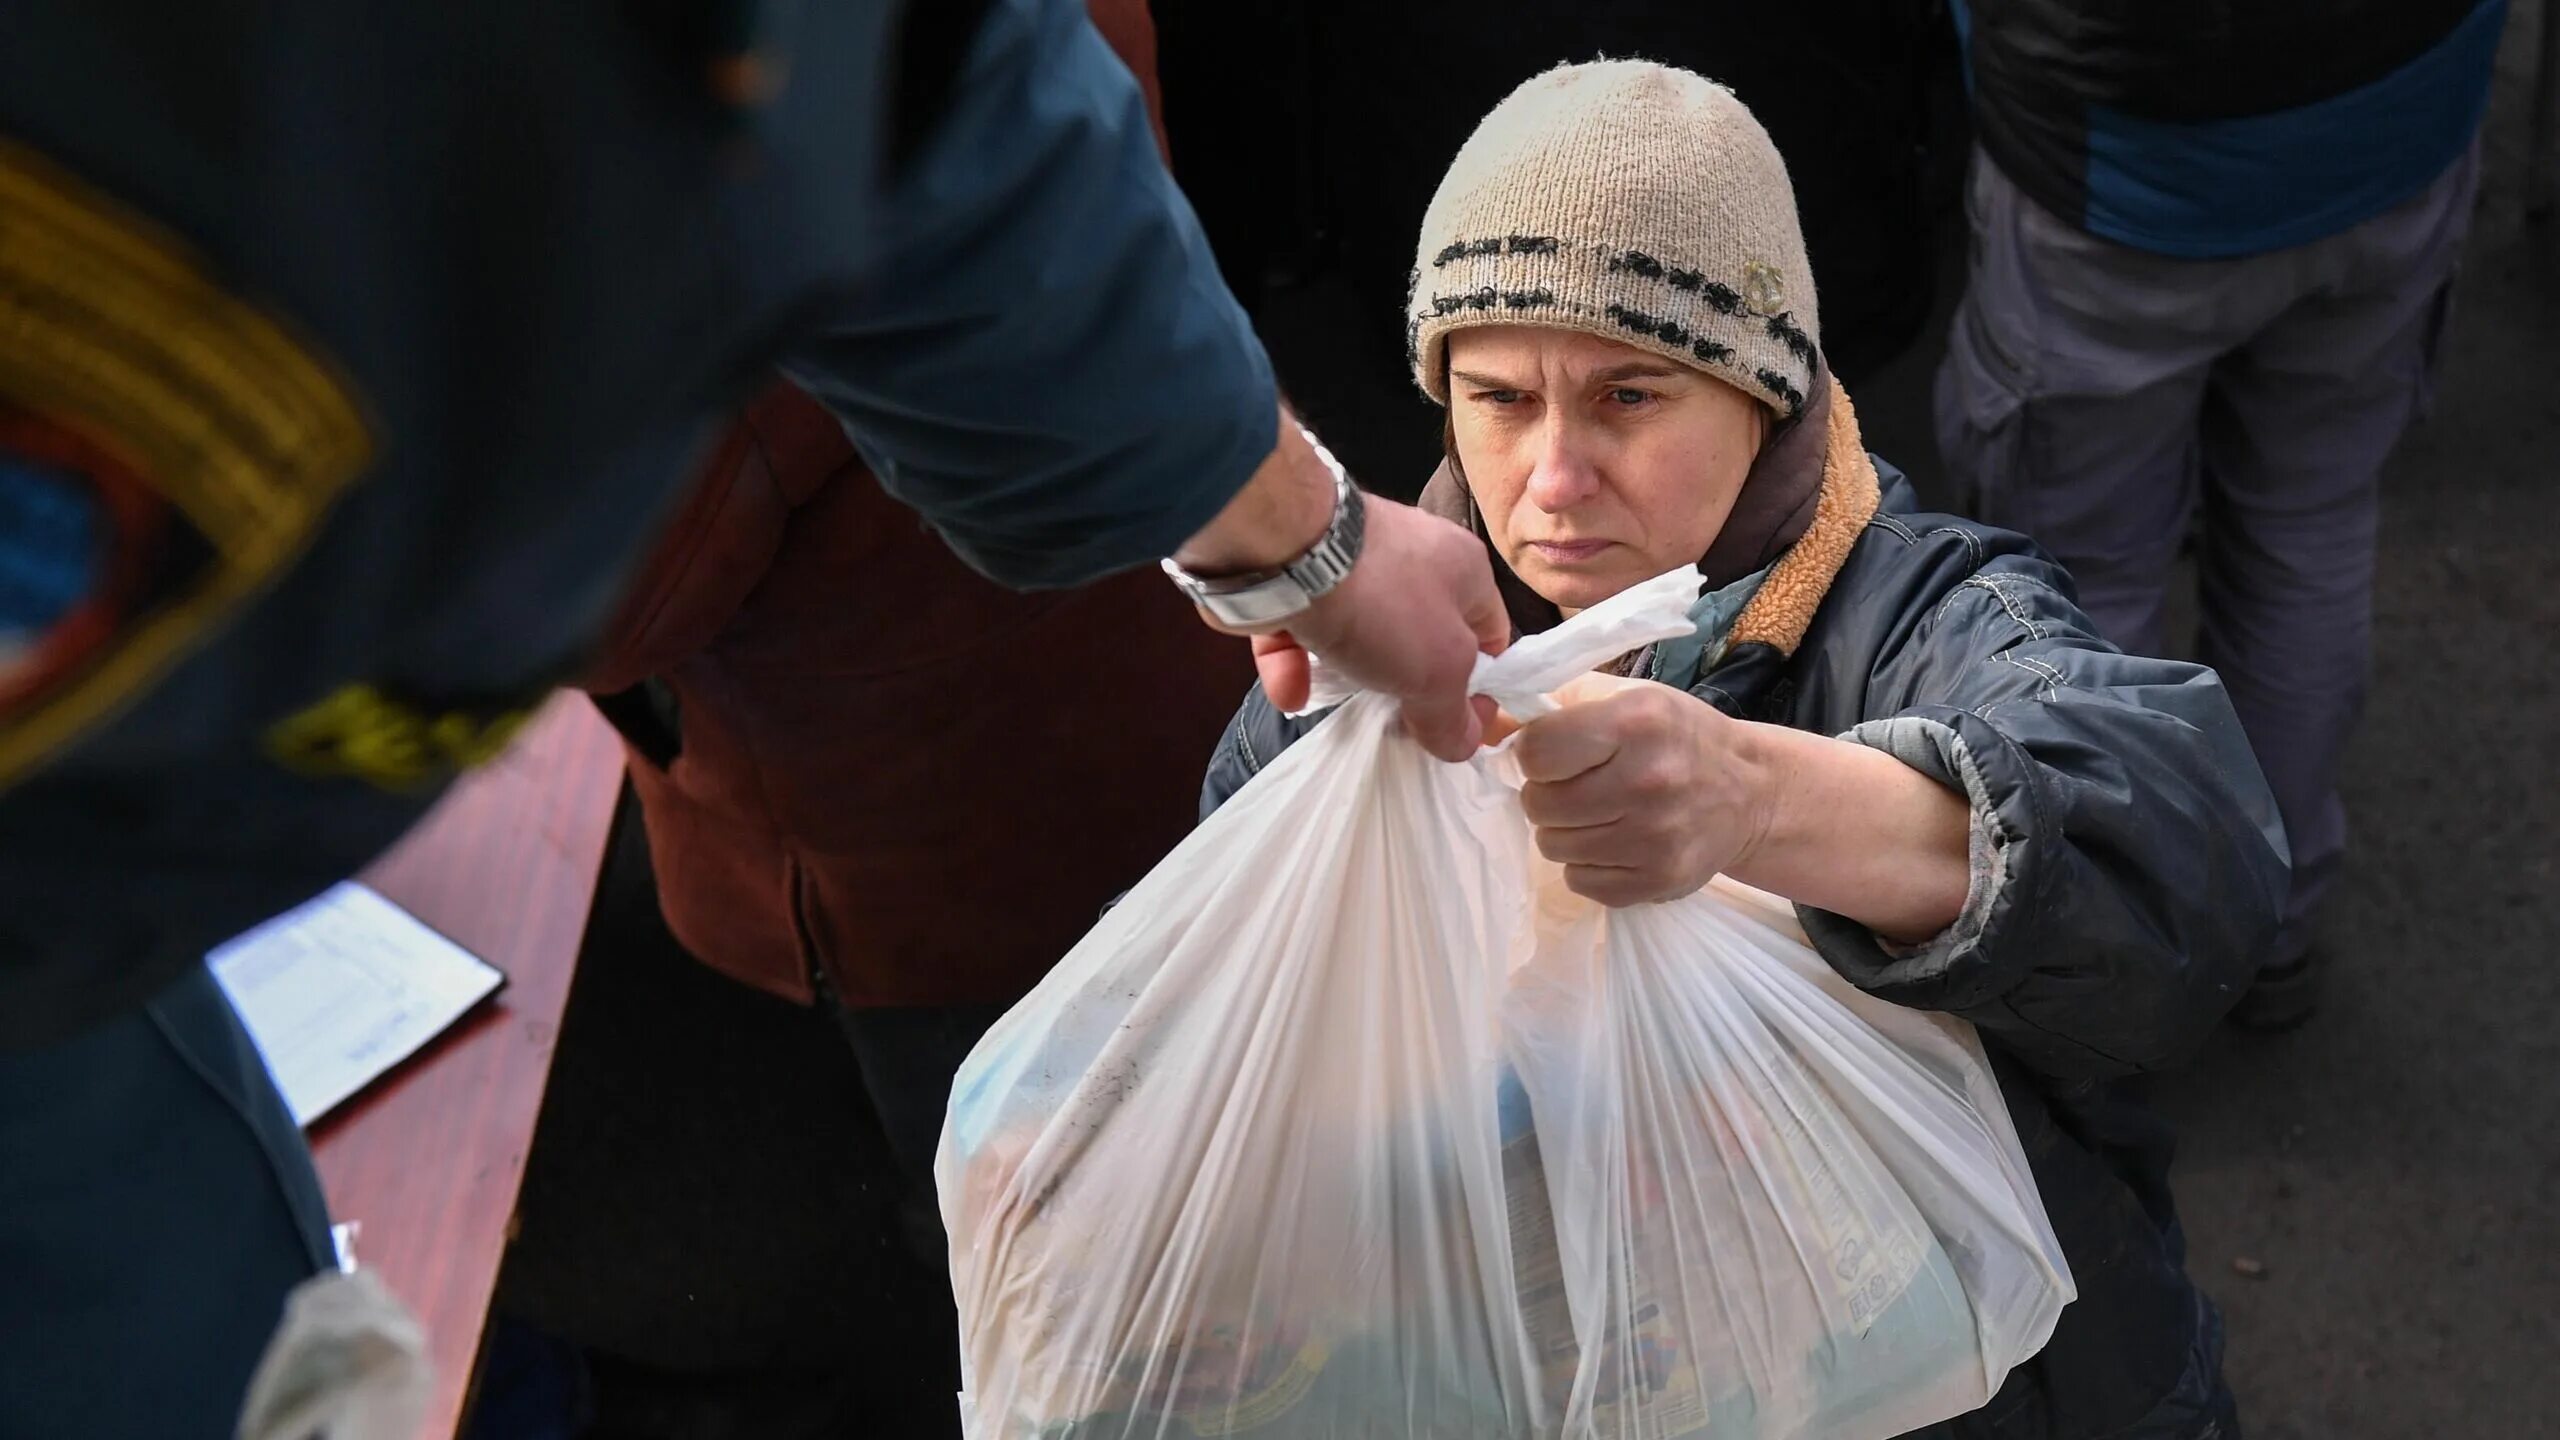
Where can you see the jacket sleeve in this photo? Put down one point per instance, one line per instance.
(1252, 740)
(1040, 355)
(2129, 868)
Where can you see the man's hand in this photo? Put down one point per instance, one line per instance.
(1640, 791)
(1408, 621)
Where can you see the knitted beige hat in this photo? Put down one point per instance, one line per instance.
(1631, 200)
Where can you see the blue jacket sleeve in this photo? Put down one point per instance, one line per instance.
(1042, 357)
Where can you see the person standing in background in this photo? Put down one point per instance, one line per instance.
(845, 800)
(2213, 249)
(849, 807)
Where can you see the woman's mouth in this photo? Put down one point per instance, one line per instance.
(1567, 552)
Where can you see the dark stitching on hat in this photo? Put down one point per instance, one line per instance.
(1496, 245)
(1488, 297)
(1636, 262)
(1724, 298)
(1647, 325)
(1784, 331)
(1780, 386)
(1707, 351)
(1671, 332)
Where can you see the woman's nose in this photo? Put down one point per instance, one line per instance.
(1562, 476)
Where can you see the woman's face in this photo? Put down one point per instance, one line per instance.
(1596, 465)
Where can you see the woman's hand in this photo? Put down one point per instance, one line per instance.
(1640, 791)
(1646, 793)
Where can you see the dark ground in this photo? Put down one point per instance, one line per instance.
(704, 1201)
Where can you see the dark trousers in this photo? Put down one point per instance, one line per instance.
(908, 1057)
(156, 1204)
(2101, 401)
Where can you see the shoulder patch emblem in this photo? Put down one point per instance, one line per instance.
(165, 448)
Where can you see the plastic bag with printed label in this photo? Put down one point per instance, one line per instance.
(1351, 1121)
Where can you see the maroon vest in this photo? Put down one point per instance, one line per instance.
(891, 767)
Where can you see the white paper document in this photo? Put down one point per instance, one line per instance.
(344, 987)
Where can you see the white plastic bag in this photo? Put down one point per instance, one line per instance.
(1350, 1121)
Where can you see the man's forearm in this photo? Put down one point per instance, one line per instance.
(1280, 513)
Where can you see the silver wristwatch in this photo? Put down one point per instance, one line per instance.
(1268, 598)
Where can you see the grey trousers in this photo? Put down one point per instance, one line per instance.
(2103, 401)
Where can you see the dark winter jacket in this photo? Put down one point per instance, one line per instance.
(2206, 128)
(2130, 869)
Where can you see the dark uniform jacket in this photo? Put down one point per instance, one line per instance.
(350, 355)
